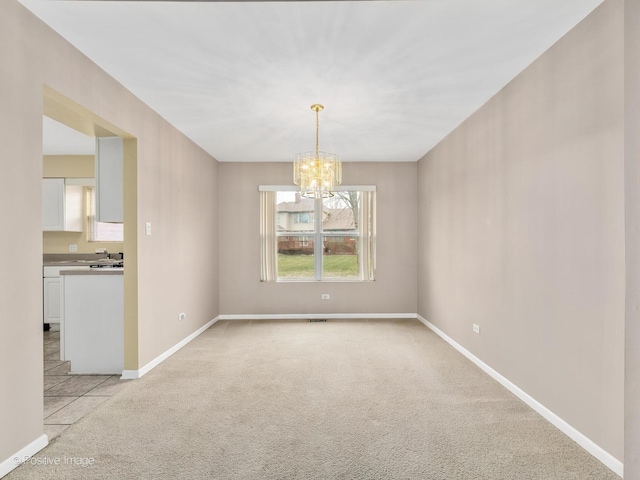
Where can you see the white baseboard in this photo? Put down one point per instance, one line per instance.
(133, 374)
(23, 455)
(316, 316)
(591, 447)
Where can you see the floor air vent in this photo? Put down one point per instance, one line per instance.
(317, 319)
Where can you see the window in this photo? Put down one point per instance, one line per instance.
(99, 231)
(305, 217)
(317, 239)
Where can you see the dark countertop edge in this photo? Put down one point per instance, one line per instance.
(82, 263)
(71, 257)
(65, 264)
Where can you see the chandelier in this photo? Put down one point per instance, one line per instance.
(317, 173)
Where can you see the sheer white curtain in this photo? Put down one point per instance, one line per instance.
(368, 234)
(268, 271)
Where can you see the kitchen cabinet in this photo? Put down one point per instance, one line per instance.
(52, 293)
(92, 326)
(51, 298)
(61, 206)
(109, 179)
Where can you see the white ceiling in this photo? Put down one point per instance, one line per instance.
(62, 140)
(238, 77)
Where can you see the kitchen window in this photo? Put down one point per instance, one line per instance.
(100, 231)
(327, 239)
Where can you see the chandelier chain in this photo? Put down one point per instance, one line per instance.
(317, 132)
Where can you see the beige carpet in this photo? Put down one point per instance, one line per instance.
(297, 400)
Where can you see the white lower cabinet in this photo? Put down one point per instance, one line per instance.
(51, 288)
(52, 293)
(92, 327)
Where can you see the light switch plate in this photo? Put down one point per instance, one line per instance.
(147, 228)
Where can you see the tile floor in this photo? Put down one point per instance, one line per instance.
(68, 398)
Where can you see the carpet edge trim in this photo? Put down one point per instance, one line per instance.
(585, 442)
(22, 455)
(134, 374)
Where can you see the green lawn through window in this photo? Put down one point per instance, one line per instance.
(301, 266)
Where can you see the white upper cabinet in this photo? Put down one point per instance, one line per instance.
(109, 180)
(61, 206)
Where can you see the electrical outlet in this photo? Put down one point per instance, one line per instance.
(73, 247)
(325, 296)
(147, 228)
(182, 316)
(476, 328)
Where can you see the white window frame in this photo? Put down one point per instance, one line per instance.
(269, 235)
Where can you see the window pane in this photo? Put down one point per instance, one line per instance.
(108, 232)
(295, 256)
(340, 257)
(295, 252)
(340, 216)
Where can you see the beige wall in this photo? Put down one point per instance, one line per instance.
(68, 166)
(394, 290)
(72, 166)
(521, 230)
(632, 218)
(174, 187)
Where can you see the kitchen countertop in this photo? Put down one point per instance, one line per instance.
(81, 260)
(78, 259)
(70, 263)
(71, 257)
